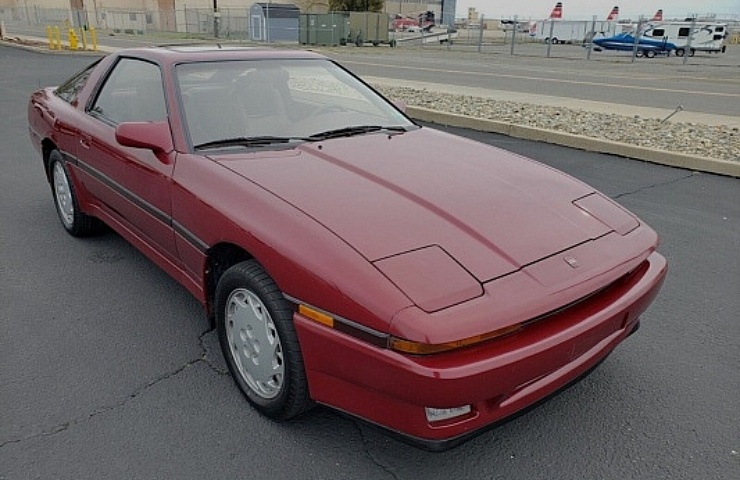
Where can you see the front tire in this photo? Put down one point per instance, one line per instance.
(74, 221)
(259, 342)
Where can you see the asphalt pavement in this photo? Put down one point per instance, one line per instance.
(108, 368)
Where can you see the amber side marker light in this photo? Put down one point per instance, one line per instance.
(418, 348)
(313, 314)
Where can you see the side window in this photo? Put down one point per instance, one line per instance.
(683, 32)
(72, 87)
(132, 93)
(658, 32)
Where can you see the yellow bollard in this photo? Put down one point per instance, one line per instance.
(94, 38)
(58, 37)
(51, 37)
(84, 38)
(72, 39)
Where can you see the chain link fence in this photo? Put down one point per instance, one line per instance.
(195, 22)
(238, 24)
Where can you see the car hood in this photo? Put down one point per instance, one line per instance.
(481, 209)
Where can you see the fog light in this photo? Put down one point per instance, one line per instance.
(439, 414)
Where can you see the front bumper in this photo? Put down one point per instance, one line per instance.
(497, 379)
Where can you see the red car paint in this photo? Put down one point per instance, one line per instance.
(449, 240)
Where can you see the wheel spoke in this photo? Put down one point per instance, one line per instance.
(254, 343)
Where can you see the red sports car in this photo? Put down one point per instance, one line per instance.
(426, 283)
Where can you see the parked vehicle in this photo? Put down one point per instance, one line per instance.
(556, 30)
(626, 42)
(347, 256)
(571, 31)
(706, 36)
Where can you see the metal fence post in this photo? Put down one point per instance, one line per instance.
(513, 33)
(591, 38)
(480, 32)
(549, 38)
(688, 42)
(638, 32)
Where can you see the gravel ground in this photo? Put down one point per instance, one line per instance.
(718, 142)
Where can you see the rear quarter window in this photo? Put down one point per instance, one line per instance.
(70, 90)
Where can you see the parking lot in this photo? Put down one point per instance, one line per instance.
(108, 368)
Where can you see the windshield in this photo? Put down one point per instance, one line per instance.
(231, 102)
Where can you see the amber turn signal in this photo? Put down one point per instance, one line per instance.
(419, 348)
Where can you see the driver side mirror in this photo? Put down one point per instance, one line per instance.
(154, 136)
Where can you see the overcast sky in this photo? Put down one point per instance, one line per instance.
(584, 9)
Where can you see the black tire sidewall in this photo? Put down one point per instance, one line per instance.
(81, 224)
(251, 276)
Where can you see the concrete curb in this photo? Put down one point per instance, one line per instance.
(662, 157)
(18, 42)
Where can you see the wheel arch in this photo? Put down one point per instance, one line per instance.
(220, 258)
(47, 146)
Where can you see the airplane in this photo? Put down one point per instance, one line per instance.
(626, 42)
(613, 15)
(557, 12)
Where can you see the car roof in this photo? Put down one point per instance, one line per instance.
(186, 53)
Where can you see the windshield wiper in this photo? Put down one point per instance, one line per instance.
(247, 142)
(354, 130)
(265, 140)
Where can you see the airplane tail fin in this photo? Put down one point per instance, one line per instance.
(557, 12)
(614, 15)
(658, 17)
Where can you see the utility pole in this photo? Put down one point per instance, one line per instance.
(216, 14)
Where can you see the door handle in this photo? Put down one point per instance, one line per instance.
(85, 140)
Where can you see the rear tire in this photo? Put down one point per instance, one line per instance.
(649, 53)
(259, 342)
(680, 52)
(74, 221)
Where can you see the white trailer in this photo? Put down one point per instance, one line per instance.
(707, 36)
(571, 31)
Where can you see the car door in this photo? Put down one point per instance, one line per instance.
(133, 185)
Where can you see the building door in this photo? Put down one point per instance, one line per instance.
(79, 15)
(167, 20)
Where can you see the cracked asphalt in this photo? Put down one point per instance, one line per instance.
(108, 368)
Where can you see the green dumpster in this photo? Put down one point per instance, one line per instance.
(369, 27)
(326, 29)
